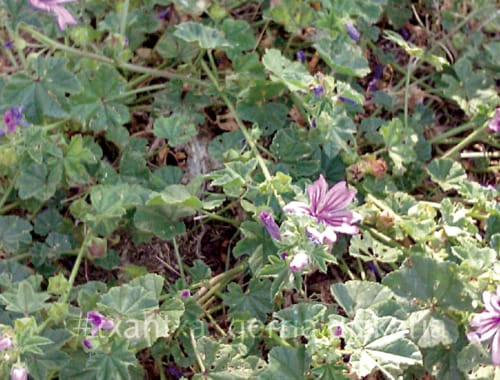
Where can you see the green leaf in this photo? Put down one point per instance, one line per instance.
(270, 116)
(292, 74)
(98, 106)
(133, 165)
(76, 156)
(367, 248)
(337, 132)
(49, 220)
(239, 34)
(298, 320)
(23, 299)
(113, 364)
(159, 221)
(356, 295)
(171, 47)
(286, 363)
(39, 181)
(14, 231)
(294, 15)
(379, 343)
(429, 329)
(129, 301)
(470, 88)
(430, 282)
(400, 142)
(205, 36)
(226, 361)
(343, 56)
(256, 243)
(298, 156)
(44, 92)
(153, 283)
(255, 302)
(330, 371)
(447, 173)
(176, 128)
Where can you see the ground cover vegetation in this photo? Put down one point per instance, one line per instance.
(237, 189)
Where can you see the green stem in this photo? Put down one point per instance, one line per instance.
(220, 218)
(452, 132)
(162, 370)
(271, 334)
(9, 207)
(343, 265)
(16, 258)
(122, 65)
(76, 266)
(7, 192)
(126, 94)
(466, 141)
(123, 22)
(479, 154)
(409, 71)
(196, 352)
(179, 260)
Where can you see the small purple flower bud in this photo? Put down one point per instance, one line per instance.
(346, 358)
(272, 228)
(301, 56)
(352, 31)
(378, 71)
(343, 99)
(283, 255)
(404, 33)
(494, 124)
(185, 293)
(9, 45)
(312, 122)
(12, 118)
(318, 90)
(299, 262)
(5, 343)
(375, 271)
(174, 371)
(338, 331)
(373, 85)
(163, 14)
(19, 373)
(86, 343)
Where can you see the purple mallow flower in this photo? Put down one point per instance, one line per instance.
(54, 6)
(19, 373)
(9, 45)
(343, 99)
(328, 208)
(301, 56)
(352, 31)
(86, 343)
(98, 322)
(185, 293)
(487, 324)
(272, 228)
(494, 124)
(12, 118)
(299, 262)
(318, 90)
(5, 343)
(338, 331)
(283, 255)
(375, 271)
(163, 14)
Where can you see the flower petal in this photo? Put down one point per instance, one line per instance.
(495, 348)
(337, 198)
(297, 208)
(317, 192)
